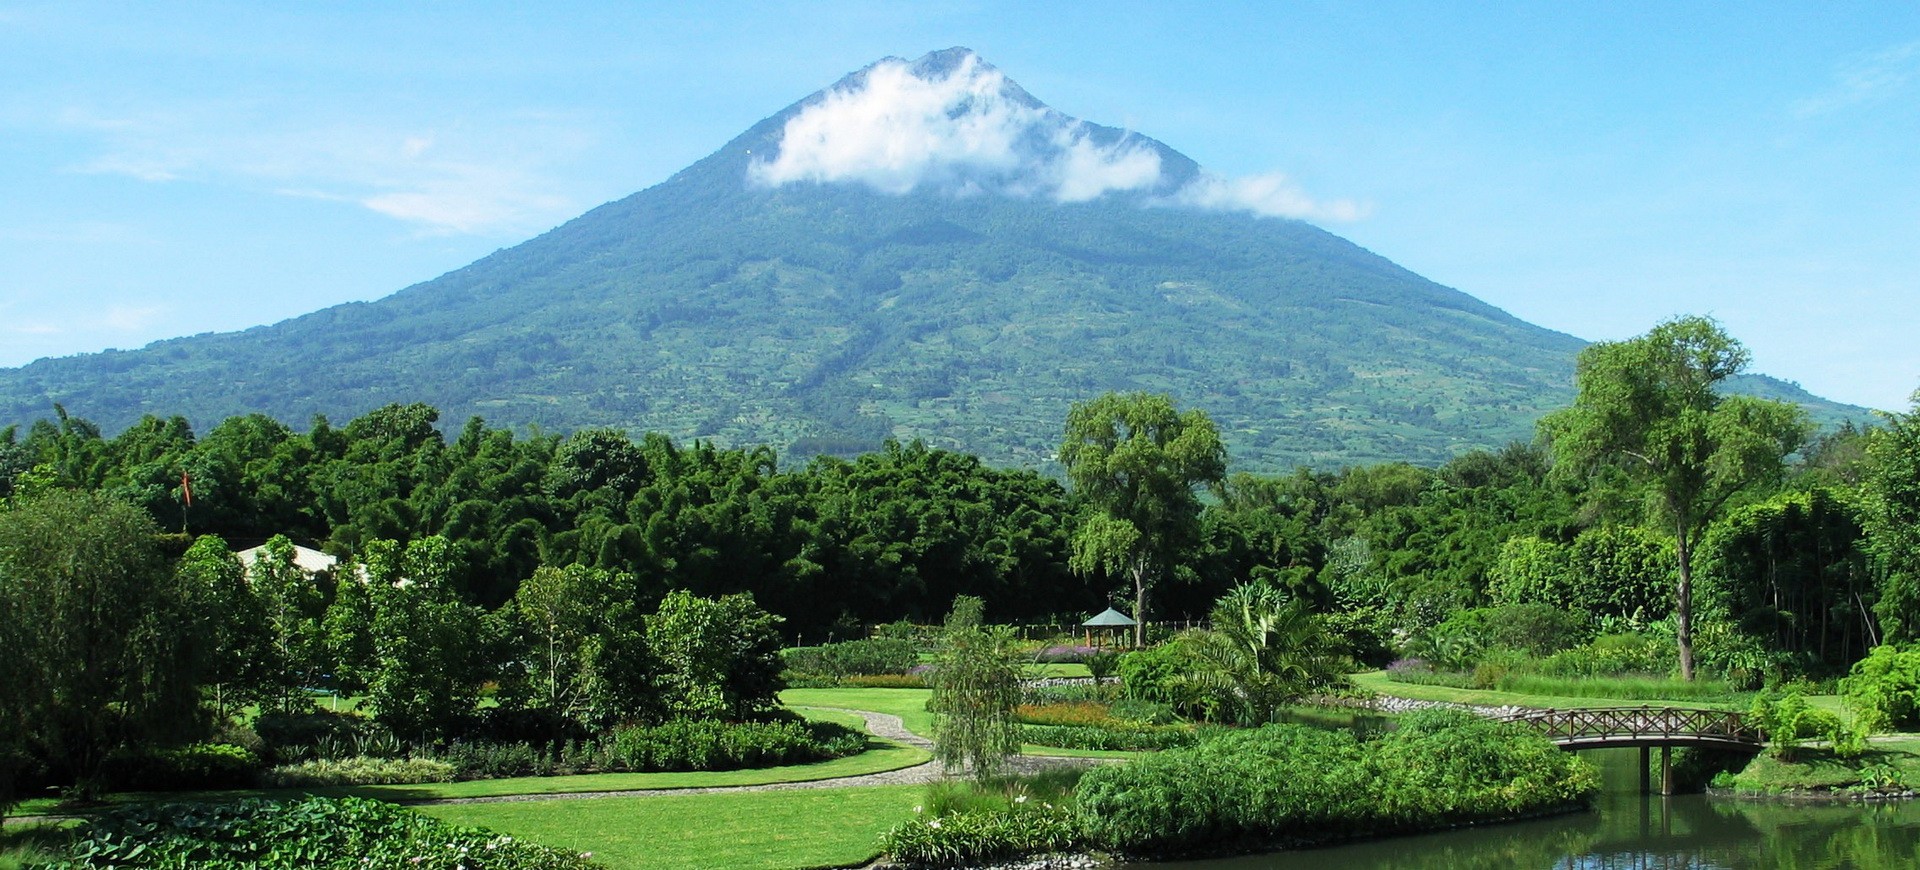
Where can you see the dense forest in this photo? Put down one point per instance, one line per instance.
(622, 600)
(1788, 581)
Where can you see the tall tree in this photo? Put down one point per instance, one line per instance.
(232, 635)
(1649, 420)
(1891, 494)
(718, 658)
(292, 606)
(1137, 459)
(94, 630)
(427, 643)
(585, 643)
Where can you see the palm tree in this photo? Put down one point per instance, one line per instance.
(1265, 649)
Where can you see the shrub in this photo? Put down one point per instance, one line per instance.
(967, 839)
(1625, 687)
(1083, 714)
(195, 766)
(967, 823)
(883, 681)
(1142, 712)
(1139, 739)
(851, 658)
(1496, 665)
(1418, 672)
(322, 833)
(1153, 674)
(1468, 636)
(1062, 693)
(1072, 653)
(1101, 665)
(293, 736)
(1884, 688)
(1288, 783)
(706, 744)
(485, 760)
(359, 770)
(923, 637)
(1611, 655)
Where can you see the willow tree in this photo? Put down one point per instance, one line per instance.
(1650, 420)
(1137, 460)
(976, 685)
(96, 634)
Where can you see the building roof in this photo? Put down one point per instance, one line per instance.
(308, 559)
(1109, 618)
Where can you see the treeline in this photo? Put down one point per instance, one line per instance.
(834, 544)
(1799, 576)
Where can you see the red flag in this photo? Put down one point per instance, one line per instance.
(186, 488)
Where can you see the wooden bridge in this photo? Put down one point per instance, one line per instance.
(1643, 728)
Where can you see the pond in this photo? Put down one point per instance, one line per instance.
(1631, 830)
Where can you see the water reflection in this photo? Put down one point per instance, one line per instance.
(1629, 830)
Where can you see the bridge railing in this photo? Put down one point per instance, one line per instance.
(1638, 723)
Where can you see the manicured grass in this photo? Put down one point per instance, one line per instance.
(1058, 669)
(1816, 769)
(837, 717)
(908, 704)
(881, 756)
(1377, 682)
(772, 829)
(1063, 752)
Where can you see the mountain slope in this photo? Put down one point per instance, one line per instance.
(826, 303)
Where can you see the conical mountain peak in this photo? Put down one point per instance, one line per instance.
(951, 122)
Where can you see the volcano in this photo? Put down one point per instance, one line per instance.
(920, 251)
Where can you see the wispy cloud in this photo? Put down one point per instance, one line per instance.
(443, 181)
(1272, 194)
(970, 130)
(131, 318)
(1865, 79)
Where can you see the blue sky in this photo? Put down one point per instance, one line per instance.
(1594, 168)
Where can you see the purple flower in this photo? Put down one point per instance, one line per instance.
(1404, 666)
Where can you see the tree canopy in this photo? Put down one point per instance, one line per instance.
(1137, 460)
(1650, 419)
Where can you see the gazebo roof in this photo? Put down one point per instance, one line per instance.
(1110, 618)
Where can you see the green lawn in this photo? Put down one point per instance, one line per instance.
(885, 755)
(1819, 769)
(1059, 669)
(1063, 752)
(908, 704)
(774, 829)
(881, 756)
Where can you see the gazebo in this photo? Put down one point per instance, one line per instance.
(1108, 619)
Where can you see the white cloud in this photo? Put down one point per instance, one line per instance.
(131, 318)
(964, 131)
(444, 181)
(1271, 194)
(462, 207)
(1865, 79)
(971, 130)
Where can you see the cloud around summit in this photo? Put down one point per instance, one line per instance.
(969, 130)
(964, 132)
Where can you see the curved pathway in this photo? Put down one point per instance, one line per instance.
(881, 725)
